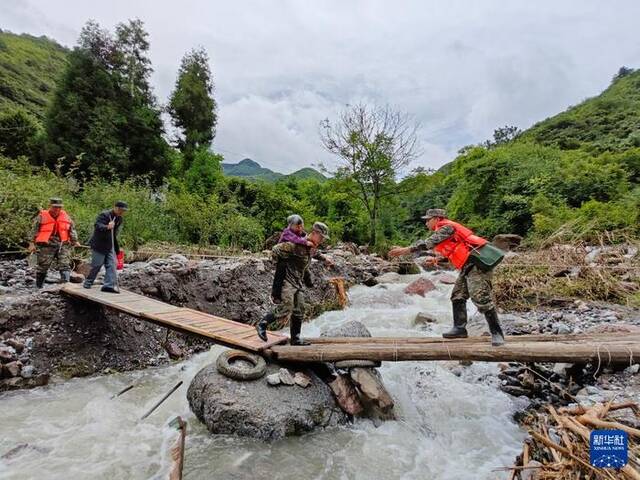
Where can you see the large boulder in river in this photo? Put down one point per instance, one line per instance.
(421, 286)
(256, 409)
(352, 328)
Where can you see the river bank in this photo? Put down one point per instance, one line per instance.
(476, 413)
(44, 334)
(437, 411)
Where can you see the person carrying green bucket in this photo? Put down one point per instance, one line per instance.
(475, 258)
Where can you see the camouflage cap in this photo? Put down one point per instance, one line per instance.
(322, 229)
(55, 202)
(435, 212)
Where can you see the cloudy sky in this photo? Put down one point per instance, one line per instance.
(461, 68)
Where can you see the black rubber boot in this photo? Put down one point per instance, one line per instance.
(459, 329)
(40, 279)
(295, 326)
(262, 325)
(65, 276)
(497, 337)
(110, 289)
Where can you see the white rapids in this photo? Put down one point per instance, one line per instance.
(453, 422)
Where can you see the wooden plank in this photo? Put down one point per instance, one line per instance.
(213, 325)
(249, 335)
(226, 338)
(182, 315)
(186, 320)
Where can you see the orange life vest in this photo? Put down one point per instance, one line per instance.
(457, 247)
(49, 225)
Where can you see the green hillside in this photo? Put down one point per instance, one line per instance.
(570, 177)
(252, 170)
(307, 173)
(608, 122)
(29, 69)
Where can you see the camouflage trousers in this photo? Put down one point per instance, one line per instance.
(54, 255)
(475, 284)
(292, 302)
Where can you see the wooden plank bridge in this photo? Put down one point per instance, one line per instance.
(604, 348)
(184, 320)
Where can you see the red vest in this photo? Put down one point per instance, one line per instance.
(457, 247)
(49, 225)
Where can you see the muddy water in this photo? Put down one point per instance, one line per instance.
(453, 422)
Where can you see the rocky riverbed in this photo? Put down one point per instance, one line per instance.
(44, 334)
(465, 409)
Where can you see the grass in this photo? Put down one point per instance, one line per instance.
(561, 274)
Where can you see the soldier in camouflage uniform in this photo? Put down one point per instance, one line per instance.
(297, 259)
(52, 238)
(458, 243)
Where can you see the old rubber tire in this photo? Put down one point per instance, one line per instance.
(357, 364)
(226, 366)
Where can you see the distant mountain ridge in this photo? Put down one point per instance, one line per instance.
(252, 170)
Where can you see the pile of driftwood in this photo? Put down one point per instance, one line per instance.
(558, 446)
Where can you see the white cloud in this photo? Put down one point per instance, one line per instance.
(462, 68)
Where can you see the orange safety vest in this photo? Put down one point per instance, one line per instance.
(457, 247)
(49, 225)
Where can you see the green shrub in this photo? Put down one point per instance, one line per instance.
(147, 218)
(24, 191)
(236, 231)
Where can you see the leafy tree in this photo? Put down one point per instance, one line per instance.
(623, 72)
(502, 136)
(18, 131)
(132, 49)
(373, 145)
(205, 172)
(192, 106)
(103, 120)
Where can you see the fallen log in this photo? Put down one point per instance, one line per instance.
(581, 338)
(604, 353)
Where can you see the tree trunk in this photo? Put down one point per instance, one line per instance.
(604, 351)
(373, 226)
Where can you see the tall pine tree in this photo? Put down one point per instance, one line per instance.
(104, 120)
(192, 106)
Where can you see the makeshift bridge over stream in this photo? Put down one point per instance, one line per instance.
(601, 348)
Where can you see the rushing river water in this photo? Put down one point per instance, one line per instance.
(452, 422)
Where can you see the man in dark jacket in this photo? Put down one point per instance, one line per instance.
(104, 247)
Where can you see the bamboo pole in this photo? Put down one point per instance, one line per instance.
(124, 390)
(159, 402)
(603, 352)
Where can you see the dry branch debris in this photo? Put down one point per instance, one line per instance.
(558, 446)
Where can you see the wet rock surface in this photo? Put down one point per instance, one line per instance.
(562, 384)
(359, 391)
(421, 287)
(258, 410)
